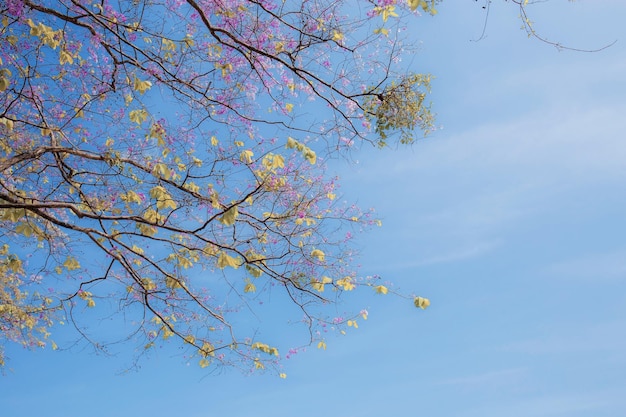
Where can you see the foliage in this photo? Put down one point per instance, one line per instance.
(164, 160)
(400, 107)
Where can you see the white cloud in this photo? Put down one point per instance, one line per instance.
(490, 378)
(475, 186)
(601, 338)
(598, 267)
(557, 405)
(463, 253)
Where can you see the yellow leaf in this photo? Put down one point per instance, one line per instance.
(138, 116)
(161, 170)
(319, 285)
(215, 200)
(381, 289)
(137, 250)
(278, 161)
(316, 253)
(71, 263)
(4, 83)
(164, 200)
(226, 68)
(65, 57)
(260, 346)
(24, 229)
(289, 107)
(250, 287)
(225, 260)
(229, 217)
(207, 349)
(131, 197)
(173, 283)
(214, 141)
(382, 31)
(168, 45)
(152, 216)
(345, 283)
(157, 132)
(282, 375)
(141, 86)
(389, 11)
(15, 264)
(337, 36)
(204, 363)
(246, 156)
(291, 143)
(255, 272)
(13, 214)
(188, 41)
(321, 345)
(310, 156)
(421, 302)
(6, 122)
(148, 284)
(167, 333)
(191, 186)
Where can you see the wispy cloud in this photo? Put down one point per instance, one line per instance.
(573, 142)
(458, 254)
(487, 379)
(598, 267)
(601, 338)
(599, 403)
(476, 186)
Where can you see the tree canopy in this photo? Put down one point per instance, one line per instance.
(164, 160)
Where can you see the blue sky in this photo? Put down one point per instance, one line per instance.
(511, 219)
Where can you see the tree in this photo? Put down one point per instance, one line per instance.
(529, 27)
(164, 160)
